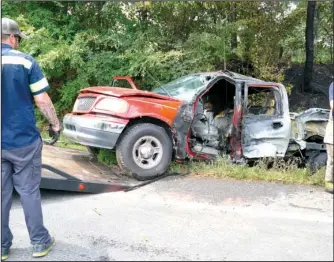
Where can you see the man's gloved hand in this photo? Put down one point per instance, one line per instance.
(54, 134)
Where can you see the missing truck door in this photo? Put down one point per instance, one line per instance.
(266, 123)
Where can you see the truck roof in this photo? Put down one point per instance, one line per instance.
(235, 77)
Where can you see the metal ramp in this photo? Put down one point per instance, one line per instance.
(74, 170)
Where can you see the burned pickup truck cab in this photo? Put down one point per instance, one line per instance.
(197, 116)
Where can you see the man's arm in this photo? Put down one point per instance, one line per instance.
(45, 105)
(331, 95)
(38, 86)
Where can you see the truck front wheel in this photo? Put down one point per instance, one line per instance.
(145, 151)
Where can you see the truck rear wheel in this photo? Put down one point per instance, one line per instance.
(145, 151)
(317, 161)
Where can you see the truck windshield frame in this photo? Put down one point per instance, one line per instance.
(185, 87)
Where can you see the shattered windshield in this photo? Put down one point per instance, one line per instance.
(185, 87)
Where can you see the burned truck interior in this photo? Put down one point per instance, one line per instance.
(212, 121)
(212, 125)
(262, 101)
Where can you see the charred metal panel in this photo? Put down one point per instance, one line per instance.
(203, 127)
(261, 139)
(267, 135)
(309, 123)
(181, 125)
(235, 141)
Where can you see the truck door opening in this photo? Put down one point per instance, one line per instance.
(212, 122)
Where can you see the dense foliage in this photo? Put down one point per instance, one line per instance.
(81, 44)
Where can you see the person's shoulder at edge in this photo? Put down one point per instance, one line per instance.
(22, 54)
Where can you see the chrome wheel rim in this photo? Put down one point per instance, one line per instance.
(147, 152)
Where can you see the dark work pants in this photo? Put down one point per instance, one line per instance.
(21, 169)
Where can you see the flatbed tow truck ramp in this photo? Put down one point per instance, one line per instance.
(75, 170)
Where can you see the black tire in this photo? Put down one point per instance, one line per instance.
(317, 161)
(124, 151)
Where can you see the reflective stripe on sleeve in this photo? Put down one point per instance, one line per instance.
(15, 51)
(39, 85)
(16, 60)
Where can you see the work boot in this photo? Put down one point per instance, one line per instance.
(41, 250)
(329, 187)
(4, 253)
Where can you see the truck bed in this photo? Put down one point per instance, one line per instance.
(311, 122)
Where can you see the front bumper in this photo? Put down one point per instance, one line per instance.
(94, 131)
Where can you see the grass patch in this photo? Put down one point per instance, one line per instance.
(107, 157)
(64, 142)
(221, 168)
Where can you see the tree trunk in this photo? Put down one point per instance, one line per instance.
(332, 38)
(234, 40)
(281, 51)
(309, 45)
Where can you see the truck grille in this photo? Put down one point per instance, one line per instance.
(85, 103)
(70, 127)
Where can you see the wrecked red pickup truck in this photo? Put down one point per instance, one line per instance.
(197, 116)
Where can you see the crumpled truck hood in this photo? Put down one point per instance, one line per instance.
(141, 103)
(124, 92)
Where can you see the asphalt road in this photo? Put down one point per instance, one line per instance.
(186, 219)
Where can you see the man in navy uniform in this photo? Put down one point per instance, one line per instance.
(22, 85)
(329, 145)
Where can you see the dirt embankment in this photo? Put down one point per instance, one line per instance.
(318, 97)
